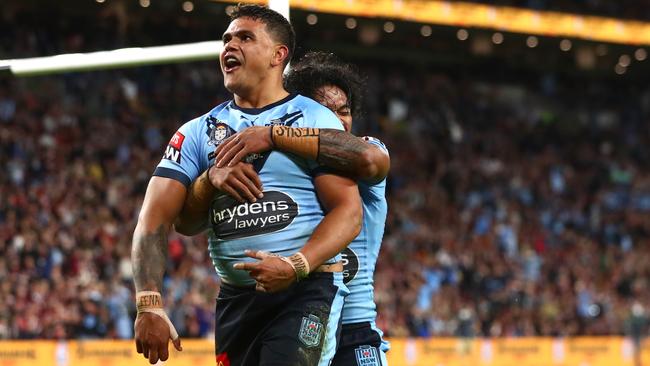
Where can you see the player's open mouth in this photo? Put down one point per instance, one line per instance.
(230, 63)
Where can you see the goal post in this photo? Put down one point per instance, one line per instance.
(123, 57)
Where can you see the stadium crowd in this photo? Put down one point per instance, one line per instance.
(516, 207)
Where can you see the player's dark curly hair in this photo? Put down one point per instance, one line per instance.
(317, 69)
(277, 25)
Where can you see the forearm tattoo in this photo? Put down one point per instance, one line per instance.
(149, 256)
(301, 141)
(340, 150)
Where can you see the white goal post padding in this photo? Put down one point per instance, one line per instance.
(124, 57)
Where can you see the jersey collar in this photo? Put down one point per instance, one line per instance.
(262, 109)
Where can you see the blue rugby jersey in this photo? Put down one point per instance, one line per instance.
(285, 218)
(361, 255)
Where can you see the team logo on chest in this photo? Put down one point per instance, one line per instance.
(367, 356)
(217, 131)
(310, 330)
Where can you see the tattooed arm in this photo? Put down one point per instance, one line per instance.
(335, 149)
(162, 203)
(345, 152)
(193, 218)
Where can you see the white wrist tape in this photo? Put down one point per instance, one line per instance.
(151, 302)
(299, 264)
(297, 261)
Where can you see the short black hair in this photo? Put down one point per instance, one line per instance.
(318, 69)
(276, 24)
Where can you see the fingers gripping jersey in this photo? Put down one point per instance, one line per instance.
(285, 218)
(361, 256)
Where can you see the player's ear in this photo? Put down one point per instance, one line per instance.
(280, 55)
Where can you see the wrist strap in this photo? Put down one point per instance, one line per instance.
(145, 300)
(151, 302)
(300, 265)
(301, 141)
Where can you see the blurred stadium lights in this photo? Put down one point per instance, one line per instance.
(625, 60)
(585, 57)
(497, 38)
(312, 19)
(368, 34)
(641, 54)
(505, 19)
(188, 6)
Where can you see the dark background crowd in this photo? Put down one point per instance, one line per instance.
(519, 200)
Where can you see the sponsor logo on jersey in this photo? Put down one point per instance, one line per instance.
(367, 356)
(350, 264)
(310, 330)
(177, 140)
(173, 150)
(231, 219)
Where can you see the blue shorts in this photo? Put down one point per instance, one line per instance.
(360, 345)
(297, 326)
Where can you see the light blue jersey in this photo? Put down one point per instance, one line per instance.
(285, 218)
(360, 258)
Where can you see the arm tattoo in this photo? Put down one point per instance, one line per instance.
(201, 190)
(149, 257)
(340, 150)
(193, 216)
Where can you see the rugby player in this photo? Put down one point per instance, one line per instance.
(337, 86)
(280, 303)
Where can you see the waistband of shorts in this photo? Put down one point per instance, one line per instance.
(356, 326)
(237, 288)
(318, 272)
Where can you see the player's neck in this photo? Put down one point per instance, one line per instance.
(261, 95)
